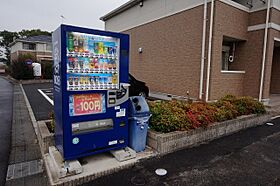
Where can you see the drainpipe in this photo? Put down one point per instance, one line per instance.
(203, 50)
(264, 50)
(209, 50)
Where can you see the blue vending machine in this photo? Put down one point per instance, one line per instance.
(90, 76)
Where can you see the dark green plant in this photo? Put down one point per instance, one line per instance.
(47, 70)
(50, 124)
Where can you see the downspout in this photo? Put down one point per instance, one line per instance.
(264, 50)
(203, 50)
(209, 50)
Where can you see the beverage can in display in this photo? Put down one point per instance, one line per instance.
(70, 80)
(82, 80)
(81, 44)
(76, 80)
(86, 80)
(70, 44)
(75, 43)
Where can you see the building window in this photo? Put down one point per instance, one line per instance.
(49, 47)
(233, 55)
(29, 46)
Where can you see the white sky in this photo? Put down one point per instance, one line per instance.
(16, 15)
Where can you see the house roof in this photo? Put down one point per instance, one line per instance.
(40, 38)
(34, 39)
(120, 9)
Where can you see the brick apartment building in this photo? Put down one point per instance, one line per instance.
(207, 48)
(39, 46)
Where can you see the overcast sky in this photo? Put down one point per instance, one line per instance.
(16, 15)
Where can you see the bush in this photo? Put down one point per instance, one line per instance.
(50, 124)
(201, 114)
(168, 116)
(20, 70)
(47, 70)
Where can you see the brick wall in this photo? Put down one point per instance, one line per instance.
(230, 22)
(170, 61)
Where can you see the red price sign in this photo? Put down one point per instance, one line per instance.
(85, 104)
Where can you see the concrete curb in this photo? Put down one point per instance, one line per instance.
(173, 141)
(45, 138)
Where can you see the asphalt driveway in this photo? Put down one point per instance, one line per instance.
(41, 107)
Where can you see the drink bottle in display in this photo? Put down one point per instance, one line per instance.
(86, 44)
(90, 44)
(100, 48)
(75, 43)
(86, 63)
(70, 63)
(81, 63)
(96, 48)
(70, 43)
(114, 79)
(76, 63)
(81, 44)
(109, 80)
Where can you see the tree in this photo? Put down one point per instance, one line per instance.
(6, 38)
(34, 32)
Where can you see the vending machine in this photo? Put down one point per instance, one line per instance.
(90, 81)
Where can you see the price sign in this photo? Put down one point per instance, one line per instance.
(85, 104)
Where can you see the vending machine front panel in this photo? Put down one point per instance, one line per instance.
(91, 99)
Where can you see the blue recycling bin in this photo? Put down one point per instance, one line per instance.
(139, 115)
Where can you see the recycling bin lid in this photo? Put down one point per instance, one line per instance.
(138, 106)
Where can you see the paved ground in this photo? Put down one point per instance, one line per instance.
(250, 157)
(25, 162)
(40, 105)
(6, 103)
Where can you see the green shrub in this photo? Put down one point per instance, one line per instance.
(168, 116)
(201, 114)
(47, 70)
(20, 70)
(50, 124)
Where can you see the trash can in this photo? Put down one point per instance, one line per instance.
(139, 115)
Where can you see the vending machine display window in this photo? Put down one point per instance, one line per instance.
(92, 62)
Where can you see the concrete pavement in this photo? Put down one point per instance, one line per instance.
(6, 102)
(250, 157)
(25, 161)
